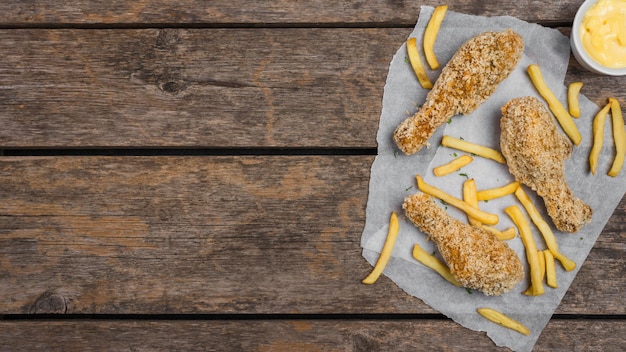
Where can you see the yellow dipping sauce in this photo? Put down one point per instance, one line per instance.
(603, 33)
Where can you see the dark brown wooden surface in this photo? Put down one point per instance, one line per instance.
(272, 13)
(194, 87)
(238, 227)
(292, 335)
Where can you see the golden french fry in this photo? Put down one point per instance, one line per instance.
(469, 196)
(505, 235)
(453, 166)
(531, 248)
(542, 269)
(483, 217)
(498, 192)
(619, 136)
(544, 228)
(564, 118)
(542, 263)
(416, 63)
(509, 233)
(550, 269)
(598, 137)
(572, 98)
(503, 320)
(469, 147)
(385, 254)
(430, 35)
(434, 263)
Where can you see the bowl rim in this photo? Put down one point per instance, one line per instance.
(578, 49)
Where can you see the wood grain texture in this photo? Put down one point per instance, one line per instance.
(294, 335)
(198, 12)
(302, 88)
(160, 235)
(193, 87)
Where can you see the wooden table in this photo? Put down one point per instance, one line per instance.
(193, 175)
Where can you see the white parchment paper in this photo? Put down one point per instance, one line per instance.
(393, 177)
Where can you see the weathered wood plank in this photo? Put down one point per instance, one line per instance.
(204, 87)
(294, 335)
(176, 87)
(214, 235)
(197, 12)
(185, 235)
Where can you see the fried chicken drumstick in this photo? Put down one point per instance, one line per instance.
(469, 78)
(477, 259)
(535, 152)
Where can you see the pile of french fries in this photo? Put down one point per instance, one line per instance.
(541, 262)
(564, 118)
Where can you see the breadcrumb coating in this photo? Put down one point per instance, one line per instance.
(477, 259)
(535, 152)
(467, 80)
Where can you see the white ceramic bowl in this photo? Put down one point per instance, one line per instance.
(579, 51)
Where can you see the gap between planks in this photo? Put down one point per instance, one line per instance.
(243, 317)
(250, 25)
(251, 151)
